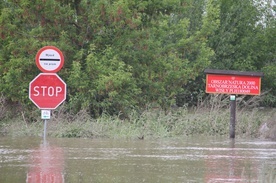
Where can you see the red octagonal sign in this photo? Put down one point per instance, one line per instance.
(47, 91)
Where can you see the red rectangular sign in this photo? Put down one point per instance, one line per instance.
(233, 84)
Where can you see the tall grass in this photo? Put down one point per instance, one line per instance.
(212, 119)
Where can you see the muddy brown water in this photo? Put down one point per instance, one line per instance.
(190, 159)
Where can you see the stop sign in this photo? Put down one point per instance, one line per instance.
(47, 91)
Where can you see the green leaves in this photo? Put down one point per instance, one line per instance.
(128, 53)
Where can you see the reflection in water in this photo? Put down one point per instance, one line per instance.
(226, 166)
(46, 165)
(193, 159)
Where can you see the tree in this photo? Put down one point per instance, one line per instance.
(123, 54)
(267, 51)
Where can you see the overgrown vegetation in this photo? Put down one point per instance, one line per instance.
(211, 118)
(122, 55)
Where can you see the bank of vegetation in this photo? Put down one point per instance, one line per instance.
(124, 58)
(211, 118)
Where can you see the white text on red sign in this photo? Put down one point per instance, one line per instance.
(47, 91)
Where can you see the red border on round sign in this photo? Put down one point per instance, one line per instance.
(46, 48)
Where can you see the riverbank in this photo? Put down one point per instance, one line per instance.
(152, 123)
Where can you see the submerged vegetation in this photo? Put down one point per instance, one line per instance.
(150, 123)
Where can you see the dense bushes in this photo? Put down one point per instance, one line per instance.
(123, 55)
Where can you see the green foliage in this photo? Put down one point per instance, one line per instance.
(233, 41)
(269, 82)
(125, 54)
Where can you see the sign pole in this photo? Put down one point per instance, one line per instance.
(45, 114)
(232, 116)
(45, 131)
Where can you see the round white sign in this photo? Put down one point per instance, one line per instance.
(49, 59)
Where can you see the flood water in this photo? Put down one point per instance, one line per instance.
(191, 159)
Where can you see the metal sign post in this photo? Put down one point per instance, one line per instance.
(232, 116)
(45, 114)
(45, 131)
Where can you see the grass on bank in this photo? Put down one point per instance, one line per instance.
(151, 123)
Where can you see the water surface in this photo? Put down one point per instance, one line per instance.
(191, 159)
